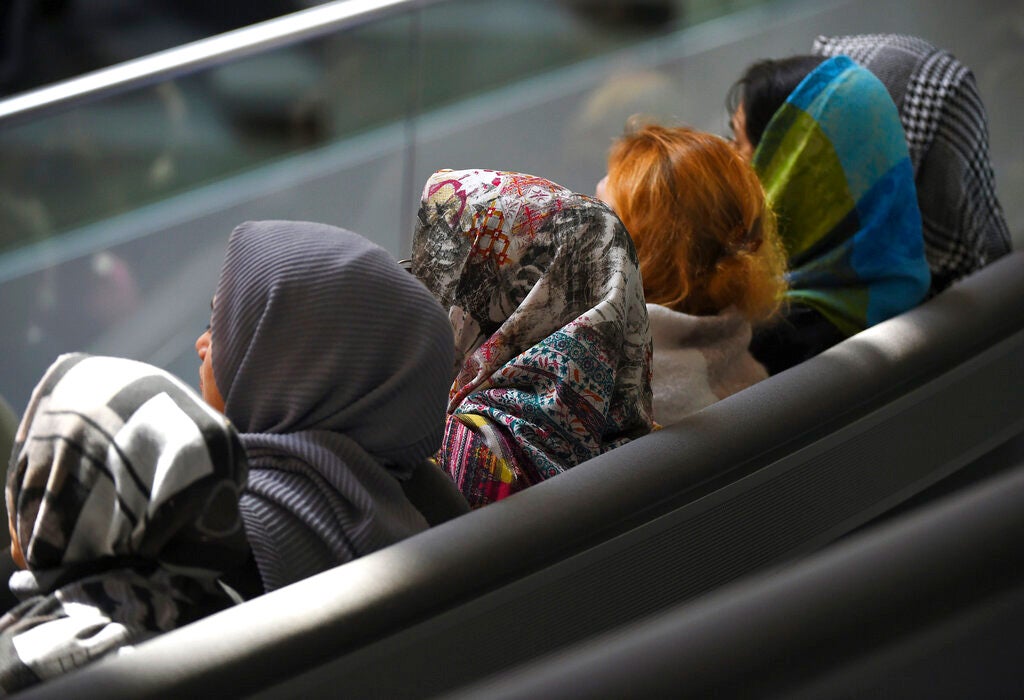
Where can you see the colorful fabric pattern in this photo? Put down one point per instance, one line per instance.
(124, 489)
(835, 167)
(947, 134)
(552, 340)
(333, 362)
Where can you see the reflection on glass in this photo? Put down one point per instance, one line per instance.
(474, 46)
(125, 151)
(75, 274)
(102, 159)
(113, 215)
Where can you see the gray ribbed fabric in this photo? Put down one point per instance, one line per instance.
(335, 365)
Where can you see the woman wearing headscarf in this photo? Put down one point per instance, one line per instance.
(122, 498)
(947, 134)
(834, 163)
(333, 363)
(552, 340)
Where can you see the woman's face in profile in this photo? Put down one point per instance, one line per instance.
(207, 385)
(738, 122)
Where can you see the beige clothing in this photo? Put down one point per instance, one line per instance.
(699, 360)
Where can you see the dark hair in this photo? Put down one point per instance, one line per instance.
(764, 88)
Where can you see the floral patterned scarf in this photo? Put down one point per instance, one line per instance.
(553, 343)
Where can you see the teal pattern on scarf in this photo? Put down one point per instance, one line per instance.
(552, 338)
(835, 166)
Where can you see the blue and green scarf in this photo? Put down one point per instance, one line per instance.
(835, 166)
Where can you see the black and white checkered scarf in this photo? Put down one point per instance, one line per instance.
(123, 493)
(947, 135)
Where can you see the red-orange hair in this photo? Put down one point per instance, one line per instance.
(703, 230)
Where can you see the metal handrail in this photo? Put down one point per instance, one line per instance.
(198, 55)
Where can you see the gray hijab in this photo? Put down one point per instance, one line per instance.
(334, 364)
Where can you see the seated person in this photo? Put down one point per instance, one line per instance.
(834, 163)
(333, 362)
(122, 498)
(710, 258)
(947, 134)
(552, 342)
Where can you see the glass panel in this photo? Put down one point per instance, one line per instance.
(475, 46)
(114, 215)
(44, 41)
(126, 151)
(544, 86)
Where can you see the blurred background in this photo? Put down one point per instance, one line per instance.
(115, 207)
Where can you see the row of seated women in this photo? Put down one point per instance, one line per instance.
(571, 324)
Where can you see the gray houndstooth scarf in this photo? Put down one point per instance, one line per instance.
(947, 135)
(123, 487)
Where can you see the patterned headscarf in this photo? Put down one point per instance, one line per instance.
(123, 489)
(947, 134)
(834, 164)
(334, 363)
(553, 345)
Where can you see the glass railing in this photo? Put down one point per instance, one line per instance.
(116, 203)
(172, 127)
(116, 198)
(117, 140)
